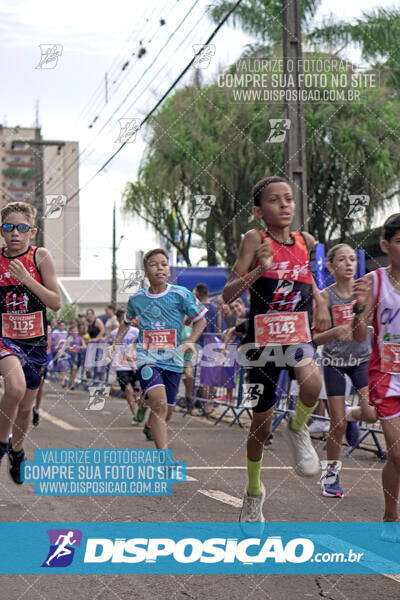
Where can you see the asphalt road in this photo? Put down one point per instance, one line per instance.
(215, 458)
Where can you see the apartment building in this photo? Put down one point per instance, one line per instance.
(20, 166)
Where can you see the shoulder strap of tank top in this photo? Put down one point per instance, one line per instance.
(377, 279)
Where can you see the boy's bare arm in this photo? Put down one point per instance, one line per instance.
(122, 330)
(251, 249)
(198, 328)
(365, 303)
(322, 318)
(48, 292)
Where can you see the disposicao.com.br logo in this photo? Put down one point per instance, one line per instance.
(203, 548)
(213, 550)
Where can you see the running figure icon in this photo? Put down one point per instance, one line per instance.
(62, 549)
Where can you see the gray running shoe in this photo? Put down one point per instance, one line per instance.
(252, 507)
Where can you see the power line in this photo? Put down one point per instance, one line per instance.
(162, 68)
(161, 100)
(99, 91)
(127, 62)
(112, 67)
(80, 155)
(151, 64)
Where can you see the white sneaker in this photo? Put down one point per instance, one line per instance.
(134, 422)
(305, 458)
(318, 426)
(252, 508)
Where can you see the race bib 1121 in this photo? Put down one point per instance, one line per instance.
(163, 339)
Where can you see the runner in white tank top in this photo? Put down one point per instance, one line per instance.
(384, 364)
(378, 295)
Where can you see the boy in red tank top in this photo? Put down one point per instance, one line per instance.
(274, 264)
(378, 296)
(28, 285)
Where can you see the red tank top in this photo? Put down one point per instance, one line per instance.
(286, 286)
(23, 315)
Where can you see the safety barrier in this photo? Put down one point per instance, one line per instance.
(230, 389)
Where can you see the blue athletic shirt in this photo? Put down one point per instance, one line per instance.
(163, 313)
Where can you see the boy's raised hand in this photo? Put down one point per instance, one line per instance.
(362, 289)
(18, 271)
(187, 347)
(264, 254)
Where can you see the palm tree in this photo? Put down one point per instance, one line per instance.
(261, 18)
(376, 33)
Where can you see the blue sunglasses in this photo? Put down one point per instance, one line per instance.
(21, 227)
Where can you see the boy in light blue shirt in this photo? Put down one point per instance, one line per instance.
(159, 312)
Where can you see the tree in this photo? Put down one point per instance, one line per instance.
(376, 34)
(66, 313)
(208, 144)
(202, 144)
(261, 18)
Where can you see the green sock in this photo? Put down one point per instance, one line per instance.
(254, 476)
(302, 415)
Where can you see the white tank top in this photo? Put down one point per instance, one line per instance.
(384, 363)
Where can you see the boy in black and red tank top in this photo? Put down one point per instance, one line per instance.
(28, 285)
(274, 264)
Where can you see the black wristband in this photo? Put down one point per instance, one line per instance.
(358, 311)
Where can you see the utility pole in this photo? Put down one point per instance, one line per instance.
(295, 143)
(38, 144)
(114, 263)
(114, 258)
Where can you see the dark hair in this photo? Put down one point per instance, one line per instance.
(120, 312)
(111, 306)
(332, 251)
(391, 226)
(261, 185)
(202, 289)
(151, 253)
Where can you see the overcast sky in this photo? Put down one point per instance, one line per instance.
(97, 37)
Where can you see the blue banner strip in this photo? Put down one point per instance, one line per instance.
(201, 548)
(320, 265)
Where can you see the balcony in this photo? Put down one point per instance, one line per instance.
(20, 164)
(20, 188)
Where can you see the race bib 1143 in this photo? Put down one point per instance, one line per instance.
(282, 329)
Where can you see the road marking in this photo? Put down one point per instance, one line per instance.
(131, 428)
(56, 421)
(283, 468)
(222, 497)
(188, 478)
(395, 577)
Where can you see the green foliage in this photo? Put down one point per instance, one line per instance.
(14, 172)
(375, 33)
(261, 18)
(203, 142)
(66, 313)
